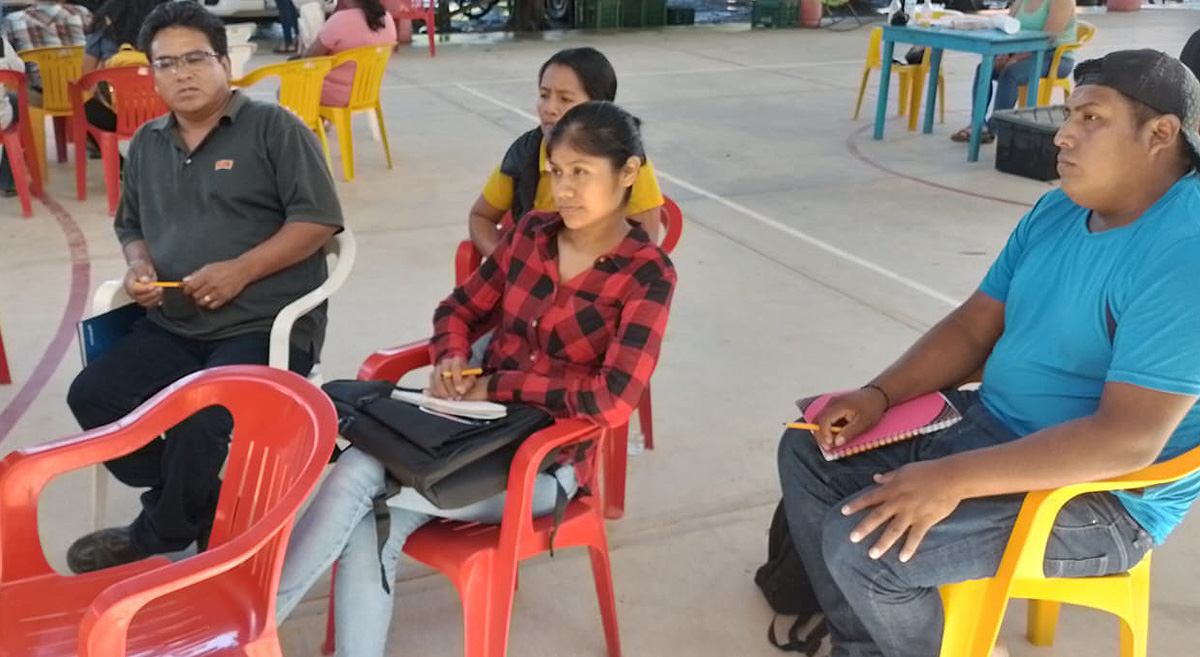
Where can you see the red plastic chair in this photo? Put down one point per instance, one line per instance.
(423, 10)
(5, 375)
(18, 143)
(134, 101)
(482, 560)
(220, 602)
(467, 259)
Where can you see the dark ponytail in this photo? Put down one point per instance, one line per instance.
(593, 69)
(375, 13)
(600, 129)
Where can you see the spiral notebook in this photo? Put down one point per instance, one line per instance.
(915, 417)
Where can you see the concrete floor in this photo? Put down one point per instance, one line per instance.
(812, 255)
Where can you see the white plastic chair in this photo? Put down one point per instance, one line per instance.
(239, 56)
(238, 33)
(340, 253)
(312, 19)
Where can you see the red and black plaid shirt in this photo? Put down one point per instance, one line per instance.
(580, 348)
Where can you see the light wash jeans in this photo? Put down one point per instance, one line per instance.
(339, 525)
(885, 608)
(1009, 81)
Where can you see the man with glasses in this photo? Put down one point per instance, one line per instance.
(231, 198)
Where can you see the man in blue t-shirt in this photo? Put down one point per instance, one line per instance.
(1087, 328)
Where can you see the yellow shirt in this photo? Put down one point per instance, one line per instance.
(498, 191)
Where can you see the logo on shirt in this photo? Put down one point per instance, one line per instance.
(223, 165)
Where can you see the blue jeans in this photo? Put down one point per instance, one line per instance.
(289, 19)
(887, 608)
(1009, 80)
(6, 174)
(339, 525)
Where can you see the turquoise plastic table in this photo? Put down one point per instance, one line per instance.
(987, 43)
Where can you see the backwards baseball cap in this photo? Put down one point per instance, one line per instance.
(1155, 79)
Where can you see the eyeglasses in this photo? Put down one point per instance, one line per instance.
(187, 62)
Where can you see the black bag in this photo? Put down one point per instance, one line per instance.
(785, 584)
(450, 463)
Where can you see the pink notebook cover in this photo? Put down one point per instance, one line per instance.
(915, 417)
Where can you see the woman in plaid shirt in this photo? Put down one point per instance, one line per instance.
(581, 296)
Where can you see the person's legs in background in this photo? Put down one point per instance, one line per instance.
(8, 186)
(1016, 74)
(289, 20)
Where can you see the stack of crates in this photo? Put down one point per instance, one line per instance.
(598, 14)
(644, 13)
(1025, 141)
(775, 13)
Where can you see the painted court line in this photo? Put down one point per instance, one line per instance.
(65, 334)
(764, 219)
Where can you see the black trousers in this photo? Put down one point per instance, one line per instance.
(182, 470)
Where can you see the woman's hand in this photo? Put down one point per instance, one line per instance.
(479, 390)
(448, 380)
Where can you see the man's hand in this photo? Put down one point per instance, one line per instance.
(906, 502)
(139, 284)
(479, 390)
(852, 413)
(453, 386)
(216, 284)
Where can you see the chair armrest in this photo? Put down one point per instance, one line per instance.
(104, 628)
(518, 507)
(466, 260)
(391, 364)
(1041, 508)
(109, 296)
(344, 249)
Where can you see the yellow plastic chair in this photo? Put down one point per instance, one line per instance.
(58, 67)
(300, 83)
(911, 77)
(370, 63)
(975, 609)
(1083, 33)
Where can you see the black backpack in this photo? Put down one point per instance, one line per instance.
(785, 584)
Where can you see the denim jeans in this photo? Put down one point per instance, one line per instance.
(289, 19)
(182, 471)
(339, 525)
(887, 608)
(6, 174)
(1009, 80)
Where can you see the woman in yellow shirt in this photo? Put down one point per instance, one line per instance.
(522, 184)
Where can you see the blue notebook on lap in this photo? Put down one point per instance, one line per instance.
(98, 333)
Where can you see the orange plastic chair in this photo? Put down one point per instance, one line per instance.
(467, 259)
(1083, 33)
(58, 67)
(19, 145)
(369, 64)
(911, 79)
(300, 84)
(135, 102)
(482, 560)
(220, 602)
(975, 609)
(422, 10)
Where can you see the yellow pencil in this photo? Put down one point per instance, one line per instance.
(166, 283)
(810, 427)
(474, 371)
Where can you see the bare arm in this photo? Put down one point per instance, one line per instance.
(316, 49)
(482, 223)
(141, 274)
(90, 64)
(1060, 14)
(215, 284)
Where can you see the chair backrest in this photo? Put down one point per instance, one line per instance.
(874, 53)
(300, 84)
(672, 220)
(1084, 31)
(135, 100)
(370, 62)
(239, 56)
(58, 67)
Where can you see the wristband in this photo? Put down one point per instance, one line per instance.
(886, 399)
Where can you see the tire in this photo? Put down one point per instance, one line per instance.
(560, 12)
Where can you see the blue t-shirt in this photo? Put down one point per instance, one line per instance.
(1082, 309)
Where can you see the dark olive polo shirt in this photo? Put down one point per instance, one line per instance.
(258, 169)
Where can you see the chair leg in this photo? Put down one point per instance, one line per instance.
(646, 419)
(387, 150)
(1022, 91)
(430, 19)
(862, 89)
(499, 610)
(16, 159)
(1041, 621)
(60, 137)
(38, 123)
(614, 472)
(1136, 628)
(602, 573)
(81, 159)
(325, 144)
(941, 99)
(902, 101)
(341, 120)
(473, 583)
(110, 157)
(5, 374)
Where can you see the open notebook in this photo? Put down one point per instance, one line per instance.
(475, 410)
(915, 417)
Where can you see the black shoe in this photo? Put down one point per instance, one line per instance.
(103, 549)
(8, 192)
